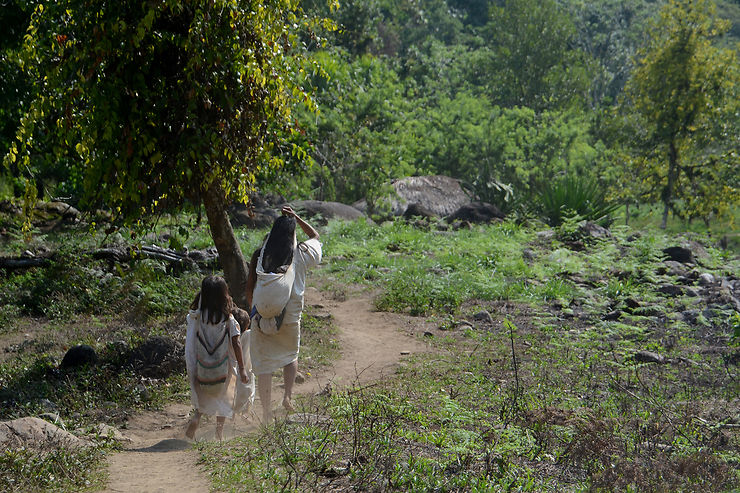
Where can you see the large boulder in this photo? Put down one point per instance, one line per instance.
(440, 195)
(50, 215)
(320, 212)
(46, 215)
(260, 212)
(252, 217)
(36, 434)
(477, 212)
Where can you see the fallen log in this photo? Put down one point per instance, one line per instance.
(178, 260)
(23, 262)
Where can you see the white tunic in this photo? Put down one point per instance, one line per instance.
(218, 400)
(272, 352)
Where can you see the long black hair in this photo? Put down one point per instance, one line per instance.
(216, 299)
(280, 245)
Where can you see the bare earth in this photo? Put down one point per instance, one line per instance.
(158, 458)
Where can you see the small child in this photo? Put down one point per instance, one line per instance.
(213, 354)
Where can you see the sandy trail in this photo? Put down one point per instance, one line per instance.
(158, 459)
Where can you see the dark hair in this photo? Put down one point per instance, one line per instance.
(279, 247)
(216, 299)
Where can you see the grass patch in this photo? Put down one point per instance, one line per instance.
(61, 470)
(556, 401)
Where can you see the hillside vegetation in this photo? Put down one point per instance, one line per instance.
(588, 341)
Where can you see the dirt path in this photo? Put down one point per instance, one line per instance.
(158, 459)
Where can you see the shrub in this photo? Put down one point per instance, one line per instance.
(574, 194)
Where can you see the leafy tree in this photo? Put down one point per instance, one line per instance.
(609, 32)
(359, 138)
(14, 86)
(534, 64)
(681, 88)
(155, 103)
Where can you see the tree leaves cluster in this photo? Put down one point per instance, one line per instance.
(150, 103)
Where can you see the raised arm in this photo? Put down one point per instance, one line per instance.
(307, 228)
(252, 277)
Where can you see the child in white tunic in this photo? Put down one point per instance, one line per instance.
(210, 314)
(271, 351)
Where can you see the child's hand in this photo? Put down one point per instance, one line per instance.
(243, 376)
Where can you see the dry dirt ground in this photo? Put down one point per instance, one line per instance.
(157, 458)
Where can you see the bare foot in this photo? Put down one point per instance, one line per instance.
(220, 433)
(192, 426)
(288, 405)
(266, 416)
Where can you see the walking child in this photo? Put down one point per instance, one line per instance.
(214, 355)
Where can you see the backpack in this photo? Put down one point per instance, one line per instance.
(271, 295)
(212, 353)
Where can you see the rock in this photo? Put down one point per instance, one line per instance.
(632, 303)
(108, 432)
(441, 195)
(50, 214)
(679, 254)
(321, 212)
(675, 268)
(78, 356)
(706, 279)
(690, 316)
(8, 207)
(418, 210)
(671, 290)
(144, 394)
(335, 471)
(476, 212)
(648, 357)
(461, 323)
(592, 230)
(428, 334)
(528, 254)
(158, 357)
(613, 315)
(300, 378)
(484, 317)
(252, 217)
(36, 434)
(53, 418)
(546, 235)
(691, 292)
(458, 225)
(48, 405)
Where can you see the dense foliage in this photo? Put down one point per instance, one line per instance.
(149, 103)
(504, 95)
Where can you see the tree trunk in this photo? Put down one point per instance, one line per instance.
(672, 178)
(229, 252)
(627, 214)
